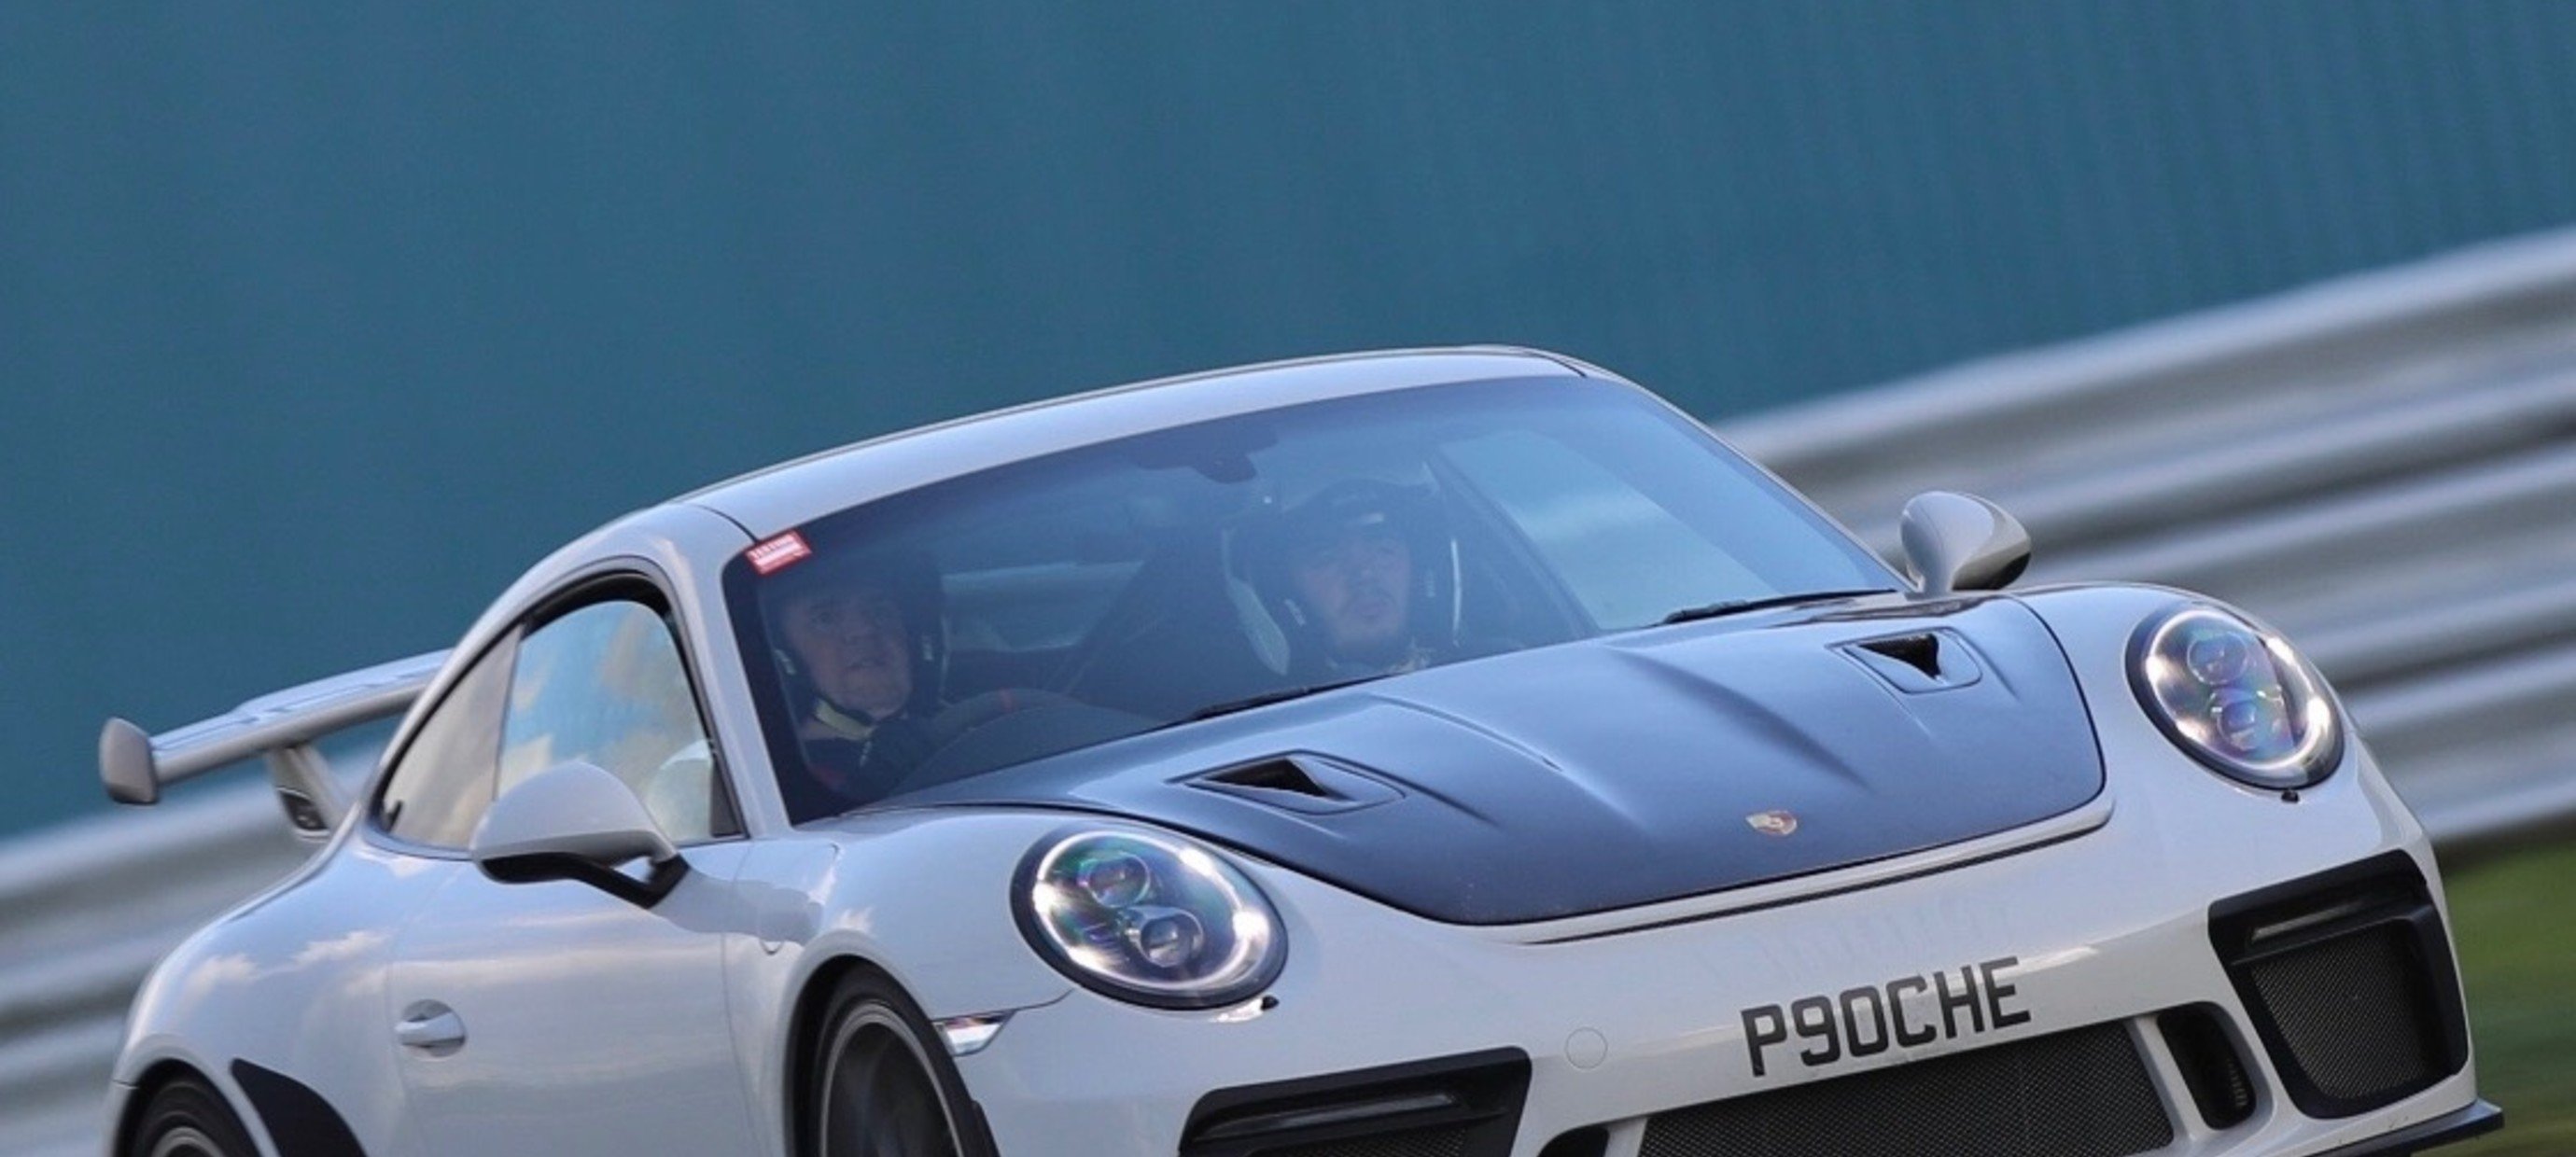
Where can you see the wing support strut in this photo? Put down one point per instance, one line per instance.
(280, 727)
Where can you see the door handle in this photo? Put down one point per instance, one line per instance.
(430, 1027)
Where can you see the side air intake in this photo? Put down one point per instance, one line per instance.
(2349, 981)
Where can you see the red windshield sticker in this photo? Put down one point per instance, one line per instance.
(779, 553)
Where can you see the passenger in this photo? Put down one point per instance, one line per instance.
(1360, 580)
(858, 645)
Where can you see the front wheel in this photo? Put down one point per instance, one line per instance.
(881, 1085)
(188, 1118)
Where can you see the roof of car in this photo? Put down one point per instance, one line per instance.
(768, 501)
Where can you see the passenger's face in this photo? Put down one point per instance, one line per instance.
(852, 644)
(1355, 583)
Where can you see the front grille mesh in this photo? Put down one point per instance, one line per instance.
(2350, 1011)
(1439, 1141)
(2083, 1093)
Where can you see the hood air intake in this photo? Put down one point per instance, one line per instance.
(1917, 663)
(1300, 782)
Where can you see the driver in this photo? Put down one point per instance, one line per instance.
(1360, 580)
(858, 646)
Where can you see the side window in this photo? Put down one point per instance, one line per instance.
(440, 786)
(605, 685)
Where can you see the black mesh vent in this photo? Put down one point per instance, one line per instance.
(2349, 1010)
(2347, 978)
(1440, 1142)
(2211, 1067)
(1592, 1142)
(2073, 1094)
(1462, 1106)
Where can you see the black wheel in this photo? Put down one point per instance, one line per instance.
(187, 1118)
(881, 1085)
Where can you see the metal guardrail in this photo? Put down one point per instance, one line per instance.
(2384, 467)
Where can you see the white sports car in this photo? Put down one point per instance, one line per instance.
(1433, 754)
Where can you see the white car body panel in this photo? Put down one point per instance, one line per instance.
(507, 959)
(324, 957)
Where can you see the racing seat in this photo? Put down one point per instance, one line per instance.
(1175, 640)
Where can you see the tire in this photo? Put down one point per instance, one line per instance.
(188, 1118)
(879, 1085)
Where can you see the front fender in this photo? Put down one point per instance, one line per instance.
(923, 895)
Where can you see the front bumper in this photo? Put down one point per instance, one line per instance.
(1896, 1009)
(2478, 1119)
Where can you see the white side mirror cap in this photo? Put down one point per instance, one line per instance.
(570, 810)
(1960, 542)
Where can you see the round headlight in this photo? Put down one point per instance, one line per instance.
(2236, 697)
(1148, 918)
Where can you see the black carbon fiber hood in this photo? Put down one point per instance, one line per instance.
(1626, 770)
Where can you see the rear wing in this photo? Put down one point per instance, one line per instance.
(281, 727)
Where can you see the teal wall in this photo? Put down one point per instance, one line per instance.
(320, 321)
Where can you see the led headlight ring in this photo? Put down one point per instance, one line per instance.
(2236, 697)
(1147, 918)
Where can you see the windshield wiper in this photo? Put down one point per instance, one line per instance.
(1738, 606)
(1282, 695)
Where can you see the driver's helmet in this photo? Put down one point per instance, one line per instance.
(1275, 537)
(909, 577)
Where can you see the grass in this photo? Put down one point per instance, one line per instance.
(2515, 923)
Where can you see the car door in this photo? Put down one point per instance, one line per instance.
(551, 1016)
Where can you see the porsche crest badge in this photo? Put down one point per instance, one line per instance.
(1776, 822)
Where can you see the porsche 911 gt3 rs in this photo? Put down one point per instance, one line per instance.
(1450, 752)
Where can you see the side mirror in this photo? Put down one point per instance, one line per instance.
(574, 821)
(1960, 542)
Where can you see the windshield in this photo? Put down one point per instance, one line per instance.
(1079, 598)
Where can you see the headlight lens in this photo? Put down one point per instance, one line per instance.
(2236, 697)
(1148, 918)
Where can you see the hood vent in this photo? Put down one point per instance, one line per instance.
(1925, 661)
(1300, 782)
(1921, 652)
(1272, 775)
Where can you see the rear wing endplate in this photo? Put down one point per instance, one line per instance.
(281, 727)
